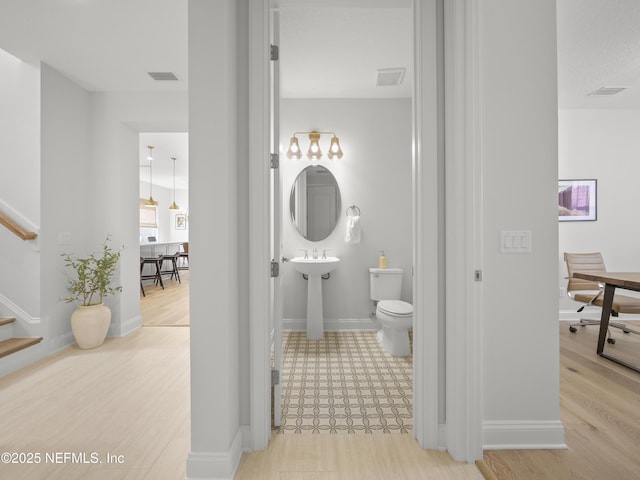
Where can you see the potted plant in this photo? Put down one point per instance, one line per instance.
(92, 283)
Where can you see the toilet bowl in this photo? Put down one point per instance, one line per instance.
(396, 318)
(394, 315)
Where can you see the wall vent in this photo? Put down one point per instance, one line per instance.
(607, 91)
(390, 77)
(160, 76)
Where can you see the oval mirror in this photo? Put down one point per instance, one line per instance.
(315, 203)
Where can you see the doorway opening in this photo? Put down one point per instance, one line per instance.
(164, 228)
(334, 72)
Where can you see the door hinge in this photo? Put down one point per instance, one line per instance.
(275, 268)
(275, 377)
(274, 160)
(275, 53)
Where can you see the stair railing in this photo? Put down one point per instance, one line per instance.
(16, 229)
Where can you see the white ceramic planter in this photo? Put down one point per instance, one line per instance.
(90, 324)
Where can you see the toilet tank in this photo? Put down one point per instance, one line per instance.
(385, 283)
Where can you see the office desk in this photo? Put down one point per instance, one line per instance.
(611, 281)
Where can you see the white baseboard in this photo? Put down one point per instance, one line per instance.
(245, 430)
(216, 465)
(122, 329)
(61, 342)
(512, 435)
(573, 316)
(332, 324)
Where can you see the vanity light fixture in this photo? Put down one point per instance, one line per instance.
(151, 201)
(314, 152)
(173, 205)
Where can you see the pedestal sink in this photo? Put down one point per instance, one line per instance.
(314, 268)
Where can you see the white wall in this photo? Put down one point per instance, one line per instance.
(374, 174)
(66, 193)
(20, 134)
(517, 72)
(214, 236)
(20, 180)
(601, 144)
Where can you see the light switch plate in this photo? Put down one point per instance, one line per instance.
(64, 238)
(515, 241)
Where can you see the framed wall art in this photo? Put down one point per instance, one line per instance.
(577, 200)
(181, 221)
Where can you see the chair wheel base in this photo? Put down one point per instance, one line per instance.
(612, 341)
(573, 329)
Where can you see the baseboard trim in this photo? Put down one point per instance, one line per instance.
(533, 435)
(61, 342)
(573, 316)
(332, 324)
(216, 465)
(122, 329)
(245, 430)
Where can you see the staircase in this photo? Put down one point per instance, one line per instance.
(10, 344)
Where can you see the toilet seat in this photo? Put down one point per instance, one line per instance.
(395, 308)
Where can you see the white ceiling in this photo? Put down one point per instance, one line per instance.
(598, 46)
(165, 146)
(329, 48)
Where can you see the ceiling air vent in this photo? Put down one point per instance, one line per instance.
(390, 77)
(163, 76)
(607, 91)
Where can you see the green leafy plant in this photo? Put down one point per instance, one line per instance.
(93, 275)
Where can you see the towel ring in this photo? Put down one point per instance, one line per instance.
(353, 207)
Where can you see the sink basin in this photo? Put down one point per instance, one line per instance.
(314, 268)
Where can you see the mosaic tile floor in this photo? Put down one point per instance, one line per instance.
(344, 384)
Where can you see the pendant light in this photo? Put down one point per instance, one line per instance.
(151, 201)
(173, 205)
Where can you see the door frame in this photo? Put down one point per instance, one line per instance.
(447, 380)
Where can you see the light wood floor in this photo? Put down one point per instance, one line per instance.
(351, 457)
(600, 411)
(168, 307)
(129, 397)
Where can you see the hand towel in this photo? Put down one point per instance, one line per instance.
(353, 230)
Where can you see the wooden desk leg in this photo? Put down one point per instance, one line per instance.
(606, 314)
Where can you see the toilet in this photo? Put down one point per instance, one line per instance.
(395, 316)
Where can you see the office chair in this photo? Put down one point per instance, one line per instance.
(593, 293)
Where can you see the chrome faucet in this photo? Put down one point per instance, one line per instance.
(315, 253)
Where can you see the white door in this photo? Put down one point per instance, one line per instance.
(276, 229)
